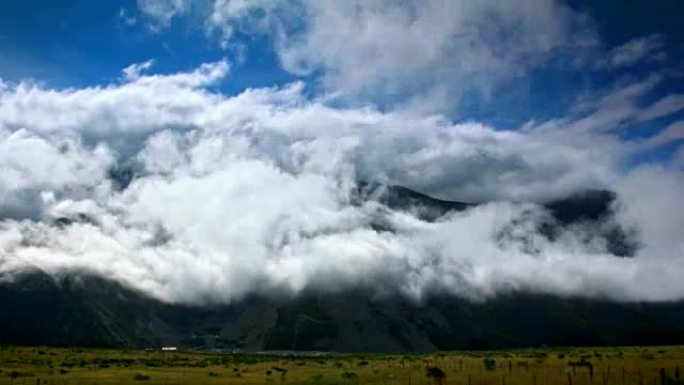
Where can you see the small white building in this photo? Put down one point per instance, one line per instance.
(169, 349)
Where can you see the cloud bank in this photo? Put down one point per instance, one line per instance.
(169, 186)
(417, 53)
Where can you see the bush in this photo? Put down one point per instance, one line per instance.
(489, 364)
(349, 376)
(141, 377)
(436, 373)
(16, 374)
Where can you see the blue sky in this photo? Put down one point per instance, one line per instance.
(84, 43)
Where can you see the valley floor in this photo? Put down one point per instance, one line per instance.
(571, 366)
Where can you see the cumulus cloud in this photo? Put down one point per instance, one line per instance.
(650, 198)
(381, 46)
(406, 51)
(133, 107)
(33, 166)
(228, 196)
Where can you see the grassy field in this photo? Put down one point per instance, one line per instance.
(572, 366)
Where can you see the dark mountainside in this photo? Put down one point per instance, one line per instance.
(83, 310)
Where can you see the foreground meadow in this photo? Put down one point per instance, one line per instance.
(572, 366)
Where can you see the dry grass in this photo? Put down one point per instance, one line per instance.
(569, 366)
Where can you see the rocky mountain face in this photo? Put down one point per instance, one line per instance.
(79, 309)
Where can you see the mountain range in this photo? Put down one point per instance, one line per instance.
(78, 309)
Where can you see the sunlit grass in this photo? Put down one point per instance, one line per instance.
(609, 366)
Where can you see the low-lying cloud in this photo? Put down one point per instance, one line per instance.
(172, 188)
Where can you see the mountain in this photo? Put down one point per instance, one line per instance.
(90, 311)
(591, 209)
(84, 310)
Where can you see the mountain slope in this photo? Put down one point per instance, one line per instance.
(79, 309)
(87, 311)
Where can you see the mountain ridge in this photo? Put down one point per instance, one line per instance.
(80, 309)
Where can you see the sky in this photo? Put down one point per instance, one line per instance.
(244, 125)
(82, 43)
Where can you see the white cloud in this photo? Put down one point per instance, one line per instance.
(651, 199)
(126, 18)
(360, 44)
(672, 133)
(642, 49)
(140, 105)
(678, 158)
(409, 50)
(616, 110)
(32, 165)
(247, 15)
(133, 71)
(253, 193)
(162, 11)
(667, 105)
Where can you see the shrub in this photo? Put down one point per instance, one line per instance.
(141, 377)
(349, 376)
(282, 372)
(436, 373)
(489, 364)
(16, 374)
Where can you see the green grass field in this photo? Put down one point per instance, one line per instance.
(572, 366)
